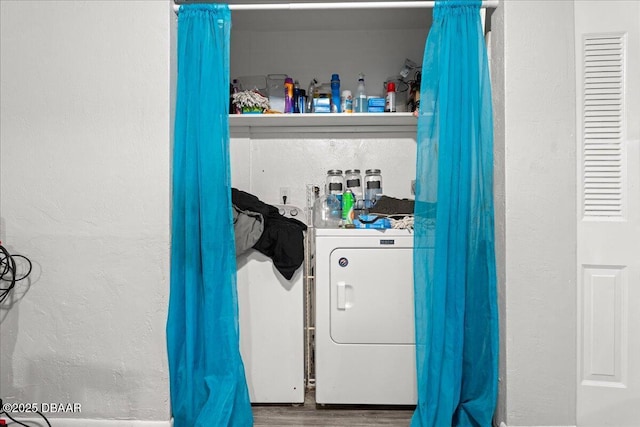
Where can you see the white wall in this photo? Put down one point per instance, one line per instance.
(497, 69)
(85, 195)
(265, 163)
(535, 134)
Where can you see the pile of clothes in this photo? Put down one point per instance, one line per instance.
(260, 226)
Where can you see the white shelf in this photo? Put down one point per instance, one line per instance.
(323, 123)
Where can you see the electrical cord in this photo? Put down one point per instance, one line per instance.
(2, 411)
(8, 272)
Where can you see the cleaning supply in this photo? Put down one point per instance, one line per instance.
(296, 96)
(311, 93)
(301, 102)
(235, 88)
(346, 102)
(361, 104)
(335, 94)
(390, 103)
(376, 104)
(348, 207)
(288, 95)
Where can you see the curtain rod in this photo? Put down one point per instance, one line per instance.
(345, 5)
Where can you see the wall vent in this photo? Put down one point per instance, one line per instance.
(603, 124)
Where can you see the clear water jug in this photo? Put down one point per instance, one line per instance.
(327, 212)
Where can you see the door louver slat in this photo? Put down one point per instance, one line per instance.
(602, 125)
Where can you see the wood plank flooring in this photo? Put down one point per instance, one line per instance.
(330, 416)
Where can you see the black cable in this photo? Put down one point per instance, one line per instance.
(8, 272)
(2, 411)
(14, 420)
(43, 417)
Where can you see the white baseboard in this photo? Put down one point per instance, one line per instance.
(83, 422)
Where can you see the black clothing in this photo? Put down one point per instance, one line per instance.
(282, 239)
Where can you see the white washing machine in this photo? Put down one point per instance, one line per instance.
(271, 317)
(364, 340)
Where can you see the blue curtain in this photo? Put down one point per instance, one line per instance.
(454, 258)
(208, 386)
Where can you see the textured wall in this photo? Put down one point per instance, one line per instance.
(85, 194)
(263, 165)
(540, 213)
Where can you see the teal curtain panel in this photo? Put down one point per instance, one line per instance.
(454, 257)
(208, 385)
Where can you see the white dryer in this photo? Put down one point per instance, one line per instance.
(271, 317)
(364, 341)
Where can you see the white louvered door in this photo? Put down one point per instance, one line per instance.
(608, 247)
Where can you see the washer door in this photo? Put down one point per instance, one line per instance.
(371, 296)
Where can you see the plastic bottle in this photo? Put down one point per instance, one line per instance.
(335, 93)
(390, 103)
(348, 207)
(327, 212)
(302, 102)
(296, 96)
(361, 103)
(288, 95)
(311, 93)
(235, 88)
(346, 104)
(417, 97)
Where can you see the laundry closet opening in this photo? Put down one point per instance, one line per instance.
(290, 154)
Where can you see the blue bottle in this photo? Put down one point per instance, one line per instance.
(335, 94)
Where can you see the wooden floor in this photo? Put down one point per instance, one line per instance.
(330, 416)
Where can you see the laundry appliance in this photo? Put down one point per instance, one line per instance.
(271, 317)
(364, 329)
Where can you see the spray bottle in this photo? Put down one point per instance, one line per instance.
(361, 105)
(311, 93)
